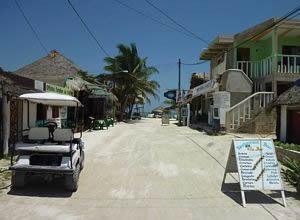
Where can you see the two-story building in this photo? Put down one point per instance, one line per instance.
(269, 55)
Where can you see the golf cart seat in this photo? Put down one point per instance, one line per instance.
(41, 135)
(63, 134)
(48, 147)
(38, 134)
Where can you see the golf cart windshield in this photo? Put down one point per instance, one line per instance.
(51, 99)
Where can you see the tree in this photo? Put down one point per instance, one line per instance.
(85, 76)
(134, 84)
(171, 103)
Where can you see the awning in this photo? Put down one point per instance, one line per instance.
(209, 86)
(51, 99)
(202, 89)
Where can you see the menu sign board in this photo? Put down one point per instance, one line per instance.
(256, 163)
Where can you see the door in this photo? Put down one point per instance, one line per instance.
(243, 54)
(293, 133)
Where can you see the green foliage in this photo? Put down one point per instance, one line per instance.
(133, 86)
(85, 76)
(287, 146)
(292, 171)
(170, 102)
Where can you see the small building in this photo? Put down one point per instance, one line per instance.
(288, 115)
(61, 76)
(218, 95)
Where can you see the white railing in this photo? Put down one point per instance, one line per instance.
(288, 63)
(261, 68)
(242, 111)
(255, 69)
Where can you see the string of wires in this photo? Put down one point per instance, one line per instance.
(88, 29)
(31, 27)
(175, 22)
(153, 19)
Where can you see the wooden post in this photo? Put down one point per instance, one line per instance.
(274, 51)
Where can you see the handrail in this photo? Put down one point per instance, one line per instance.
(288, 55)
(246, 99)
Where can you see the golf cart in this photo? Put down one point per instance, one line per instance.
(49, 151)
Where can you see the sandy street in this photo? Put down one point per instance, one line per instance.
(142, 170)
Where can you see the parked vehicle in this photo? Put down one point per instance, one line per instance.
(136, 115)
(50, 151)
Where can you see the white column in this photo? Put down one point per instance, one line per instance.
(189, 115)
(283, 119)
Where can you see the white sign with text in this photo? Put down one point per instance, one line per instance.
(256, 163)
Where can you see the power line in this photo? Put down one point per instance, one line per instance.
(153, 19)
(175, 22)
(87, 28)
(193, 64)
(31, 27)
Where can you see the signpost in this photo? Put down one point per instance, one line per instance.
(165, 119)
(256, 163)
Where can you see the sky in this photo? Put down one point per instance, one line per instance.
(59, 28)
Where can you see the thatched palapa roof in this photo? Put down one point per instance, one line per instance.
(95, 90)
(289, 97)
(53, 69)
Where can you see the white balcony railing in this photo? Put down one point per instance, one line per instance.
(288, 63)
(255, 69)
(261, 68)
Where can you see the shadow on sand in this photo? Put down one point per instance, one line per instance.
(37, 187)
(232, 190)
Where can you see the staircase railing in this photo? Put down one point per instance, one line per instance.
(245, 109)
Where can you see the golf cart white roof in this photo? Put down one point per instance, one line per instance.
(51, 99)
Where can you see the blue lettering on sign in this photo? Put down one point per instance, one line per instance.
(267, 145)
(247, 144)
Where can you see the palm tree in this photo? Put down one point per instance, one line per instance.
(133, 84)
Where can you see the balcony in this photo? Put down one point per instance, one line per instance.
(285, 64)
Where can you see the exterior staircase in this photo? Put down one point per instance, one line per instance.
(251, 116)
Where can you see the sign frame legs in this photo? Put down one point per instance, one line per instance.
(283, 198)
(243, 198)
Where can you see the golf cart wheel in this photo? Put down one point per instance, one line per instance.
(71, 180)
(17, 179)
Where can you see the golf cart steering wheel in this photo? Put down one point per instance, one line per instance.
(51, 126)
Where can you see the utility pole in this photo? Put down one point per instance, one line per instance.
(179, 90)
(5, 121)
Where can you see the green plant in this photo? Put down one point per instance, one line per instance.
(287, 146)
(291, 172)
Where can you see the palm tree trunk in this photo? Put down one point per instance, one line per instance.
(123, 107)
(130, 109)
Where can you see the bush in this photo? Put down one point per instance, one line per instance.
(292, 172)
(287, 146)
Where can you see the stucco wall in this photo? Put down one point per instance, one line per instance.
(235, 81)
